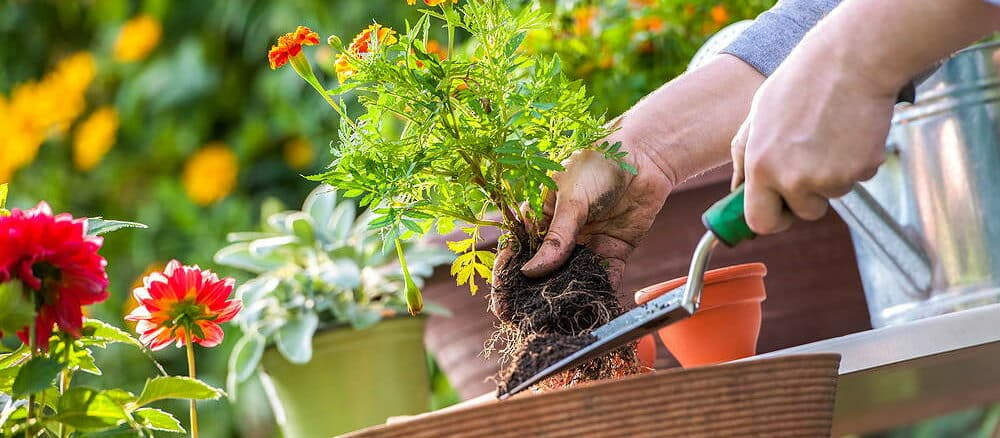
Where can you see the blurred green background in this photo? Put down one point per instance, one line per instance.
(166, 113)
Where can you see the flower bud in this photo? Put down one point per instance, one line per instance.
(334, 41)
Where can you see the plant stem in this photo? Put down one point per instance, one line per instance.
(193, 374)
(33, 346)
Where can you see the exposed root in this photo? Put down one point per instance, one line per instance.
(543, 320)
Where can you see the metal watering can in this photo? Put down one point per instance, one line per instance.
(924, 227)
(941, 184)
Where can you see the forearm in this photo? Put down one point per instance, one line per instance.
(686, 126)
(887, 42)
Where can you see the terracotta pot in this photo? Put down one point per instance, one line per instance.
(727, 323)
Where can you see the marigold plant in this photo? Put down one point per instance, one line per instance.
(451, 138)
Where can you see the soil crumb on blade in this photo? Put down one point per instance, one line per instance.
(544, 320)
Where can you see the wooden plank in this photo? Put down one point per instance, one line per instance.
(788, 396)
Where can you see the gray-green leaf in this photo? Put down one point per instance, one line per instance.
(97, 226)
(246, 356)
(294, 339)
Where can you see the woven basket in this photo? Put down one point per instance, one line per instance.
(790, 396)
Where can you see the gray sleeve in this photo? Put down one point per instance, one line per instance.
(773, 35)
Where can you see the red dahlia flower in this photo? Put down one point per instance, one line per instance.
(54, 258)
(183, 301)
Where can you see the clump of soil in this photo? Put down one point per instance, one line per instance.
(544, 320)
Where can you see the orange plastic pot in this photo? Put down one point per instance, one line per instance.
(727, 323)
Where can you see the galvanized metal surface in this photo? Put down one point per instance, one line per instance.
(941, 181)
(902, 255)
(898, 375)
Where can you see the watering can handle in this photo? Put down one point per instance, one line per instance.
(862, 213)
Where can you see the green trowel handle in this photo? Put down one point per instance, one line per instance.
(725, 219)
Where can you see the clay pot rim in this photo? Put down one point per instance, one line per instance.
(719, 275)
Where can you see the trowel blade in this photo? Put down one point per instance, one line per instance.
(658, 312)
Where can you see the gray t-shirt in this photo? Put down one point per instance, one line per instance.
(773, 35)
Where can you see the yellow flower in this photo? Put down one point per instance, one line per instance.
(137, 38)
(37, 109)
(210, 174)
(94, 138)
(298, 153)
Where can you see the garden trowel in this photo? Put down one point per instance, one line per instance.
(726, 223)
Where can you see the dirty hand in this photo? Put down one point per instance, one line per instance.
(680, 130)
(601, 206)
(809, 137)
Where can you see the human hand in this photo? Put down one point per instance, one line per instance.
(809, 137)
(600, 205)
(678, 131)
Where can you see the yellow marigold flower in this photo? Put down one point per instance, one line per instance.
(290, 46)
(363, 45)
(210, 174)
(298, 153)
(719, 14)
(94, 138)
(37, 109)
(137, 38)
(430, 3)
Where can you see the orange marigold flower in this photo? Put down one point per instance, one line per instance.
(719, 14)
(430, 3)
(183, 301)
(363, 45)
(651, 24)
(584, 19)
(378, 34)
(290, 45)
(434, 47)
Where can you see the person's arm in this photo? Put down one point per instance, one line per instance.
(679, 131)
(819, 123)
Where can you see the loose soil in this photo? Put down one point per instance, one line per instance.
(544, 320)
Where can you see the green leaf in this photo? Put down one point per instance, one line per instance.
(461, 245)
(109, 333)
(246, 356)
(162, 388)
(301, 225)
(155, 419)
(36, 375)
(15, 357)
(88, 409)
(3, 200)
(238, 256)
(97, 226)
(294, 339)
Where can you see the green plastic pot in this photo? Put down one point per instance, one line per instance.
(356, 379)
